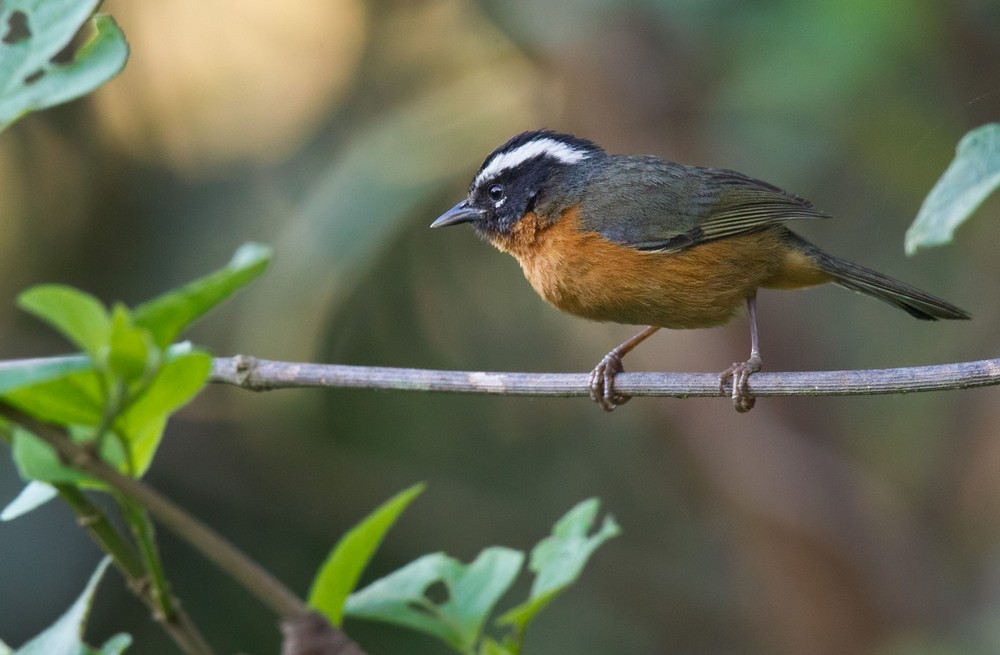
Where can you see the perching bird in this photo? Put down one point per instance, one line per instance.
(639, 240)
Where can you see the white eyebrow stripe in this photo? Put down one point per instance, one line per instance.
(548, 147)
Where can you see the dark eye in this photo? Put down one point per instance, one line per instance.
(496, 193)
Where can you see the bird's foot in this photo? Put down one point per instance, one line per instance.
(602, 382)
(739, 373)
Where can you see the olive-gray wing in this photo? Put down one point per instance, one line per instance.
(653, 205)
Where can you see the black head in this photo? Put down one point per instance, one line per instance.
(537, 169)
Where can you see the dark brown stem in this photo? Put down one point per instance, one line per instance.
(311, 634)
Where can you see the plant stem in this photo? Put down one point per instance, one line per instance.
(96, 523)
(258, 581)
(145, 537)
(178, 625)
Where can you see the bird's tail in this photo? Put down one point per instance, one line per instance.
(911, 300)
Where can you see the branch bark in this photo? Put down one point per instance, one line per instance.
(264, 375)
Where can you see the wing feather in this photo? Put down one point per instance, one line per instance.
(678, 206)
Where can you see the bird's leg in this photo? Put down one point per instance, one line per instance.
(740, 372)
(602, 378)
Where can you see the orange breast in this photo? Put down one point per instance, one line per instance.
(585, 274)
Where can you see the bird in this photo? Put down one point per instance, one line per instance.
(639, 240)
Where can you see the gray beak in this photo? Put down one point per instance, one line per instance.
(460, 213)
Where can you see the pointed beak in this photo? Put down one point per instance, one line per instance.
(460, 213)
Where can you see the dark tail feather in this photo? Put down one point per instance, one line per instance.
(911, 300)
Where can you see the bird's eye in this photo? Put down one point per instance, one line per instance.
(496, 193)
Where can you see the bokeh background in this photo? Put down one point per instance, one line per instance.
(336, 130)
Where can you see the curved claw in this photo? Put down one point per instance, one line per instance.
(739, 373)
(602, 378)
(602, 382)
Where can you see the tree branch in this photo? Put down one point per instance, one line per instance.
(264, 375)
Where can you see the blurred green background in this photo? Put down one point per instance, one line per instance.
(337, 130)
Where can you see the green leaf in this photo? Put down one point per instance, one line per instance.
(36, 460)
(348, 559)
(176, 383)
(17, 374)
(29, 79)
(558, 560)
(132, 350)
(972, 176)
(74, 399)
(143, 444)
(168, 315)
(115, 646)
(80, 317)
(490, 647)
(34, 495)
(65, 636)
(473, 590)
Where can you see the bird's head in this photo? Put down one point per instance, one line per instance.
(540, 172)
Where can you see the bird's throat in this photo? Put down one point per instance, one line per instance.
(522, 239)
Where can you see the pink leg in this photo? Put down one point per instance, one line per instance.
(740, 372)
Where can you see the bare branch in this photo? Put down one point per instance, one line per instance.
(264, 375)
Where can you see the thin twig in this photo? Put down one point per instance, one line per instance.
(178, 624)
(268, 589)
(306, 632)
(319, 639)
(145, 538)
(104, 533)
(263, 375)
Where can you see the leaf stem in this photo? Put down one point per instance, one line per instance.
(92, 519)
(145, 537)
(178, 625)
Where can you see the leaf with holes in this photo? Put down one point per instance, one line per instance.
(972, 176)
(558, 560)
(472, 591)
(34, 32)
